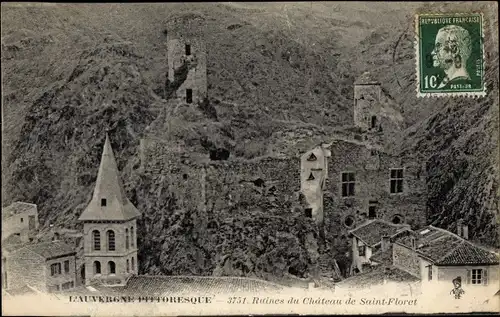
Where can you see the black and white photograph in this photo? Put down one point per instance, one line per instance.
(232, 158)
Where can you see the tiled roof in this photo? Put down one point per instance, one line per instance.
(372, 232)
(377, 276)
(51, 249)
(162, 285)
(383, 257)
(109, 187)
(445, 248)
(17, 207)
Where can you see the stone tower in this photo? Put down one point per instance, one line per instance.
(187, 68)
(313, 174)
(109, 227)
(367, 106)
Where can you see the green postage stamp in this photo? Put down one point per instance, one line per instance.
(450, 54)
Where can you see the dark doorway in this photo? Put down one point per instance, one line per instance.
(189, 95)
(372, 212)
(188, 49)
(308, 212)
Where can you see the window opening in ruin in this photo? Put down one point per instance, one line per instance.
(103, 202)
(312, 157)
(22, 220)
(397, 219)
(188, 49)
(396, 180)
(372, 212)
(308, 212)
(189, 95)
(349, 221)
(184, 176)
(311, 177)
(348, 183)
(373, 122)
(111, 267)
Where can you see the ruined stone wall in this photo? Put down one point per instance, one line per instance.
(26, 268)
(196, 63)
(372, 187)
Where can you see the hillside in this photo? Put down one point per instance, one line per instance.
(70, 72)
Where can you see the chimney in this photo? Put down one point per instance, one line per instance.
(385, 243)
(462, 229)
(459, 227)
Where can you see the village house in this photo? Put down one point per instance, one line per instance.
(20, 219)
(372, 237)
(44, 266)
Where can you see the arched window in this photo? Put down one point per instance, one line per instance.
(96, 240)
(126, 239)
(111, 240)
(133, 264)
(97, 267)
(132, 238)
(111, 267)
(128, 266)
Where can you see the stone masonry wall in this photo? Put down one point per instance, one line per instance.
(406, 259)
(26, 268)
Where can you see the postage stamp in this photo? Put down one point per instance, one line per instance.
(450, 54)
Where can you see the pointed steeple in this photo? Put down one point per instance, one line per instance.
(109, 201)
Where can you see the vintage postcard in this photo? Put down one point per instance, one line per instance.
(250, 158)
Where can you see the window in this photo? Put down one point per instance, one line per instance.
(373, 122)
(31, 222)
(397, 219)
(133, 264)
(66, 266)
(312, 157)
(96, 240)
(349, 221)
(188, 49)
(348, 184)
(55, 269)
(189, 95)
(429, 272)
(372, 212)
(477, 277)
(362, 250)
(103, 202)
(111, 240)
(396, 180)
(308, 212)
(67, 285)
(128, 266)
(22, 220)
(97, 267)
(132, 239)
(413, 242)
(111, 267)
(126, 239)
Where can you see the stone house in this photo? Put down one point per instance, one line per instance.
(371, 237)
(439, 257)
(109, 227)
(21, 219)
(45, 266)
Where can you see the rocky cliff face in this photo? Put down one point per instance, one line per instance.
(67, 79)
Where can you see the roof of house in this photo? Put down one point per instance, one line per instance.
(16, 208)
(377, 276)
(371, 232)
(445, 248)
(50, 249)
(109, 186)
(162, 285)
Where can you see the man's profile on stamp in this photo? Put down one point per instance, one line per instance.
(451, 51)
